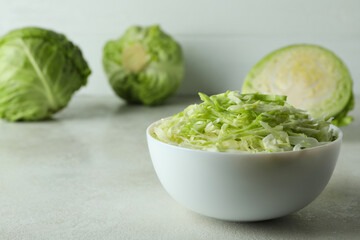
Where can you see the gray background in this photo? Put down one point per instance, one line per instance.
(222, 40)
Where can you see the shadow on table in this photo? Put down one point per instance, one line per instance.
(156, 112)
(90, 108)
(352, 132)
(335, 213)
(99, 108)
(175, 101)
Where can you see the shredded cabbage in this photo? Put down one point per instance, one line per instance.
(234, 122)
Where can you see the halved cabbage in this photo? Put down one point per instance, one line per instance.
(313, 78)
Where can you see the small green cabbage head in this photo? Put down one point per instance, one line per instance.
(313, 78)
(39, 72)
(144, 66)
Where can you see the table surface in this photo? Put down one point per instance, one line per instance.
(87, 174)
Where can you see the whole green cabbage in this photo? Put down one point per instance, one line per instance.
(39, 72)
(144, 66)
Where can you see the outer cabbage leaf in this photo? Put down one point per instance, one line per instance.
(313, 78)
(39, 72)
(234, 122)
(144, 66)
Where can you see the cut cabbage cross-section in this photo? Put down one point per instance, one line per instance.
(313, 78)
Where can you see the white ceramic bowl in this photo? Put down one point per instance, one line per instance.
(243, 186)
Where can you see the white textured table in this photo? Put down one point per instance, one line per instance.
(87, 174)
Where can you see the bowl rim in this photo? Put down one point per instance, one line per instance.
(337, 130)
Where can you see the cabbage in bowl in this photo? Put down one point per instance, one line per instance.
(234, 122)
